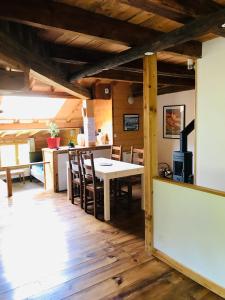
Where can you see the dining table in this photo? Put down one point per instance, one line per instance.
(108, 169)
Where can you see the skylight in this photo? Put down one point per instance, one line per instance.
(27, 108)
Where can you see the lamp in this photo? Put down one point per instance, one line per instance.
(130, 99)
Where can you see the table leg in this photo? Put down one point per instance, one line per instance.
(69, 190)
(9, 182)
(143, 191)
(106, 199)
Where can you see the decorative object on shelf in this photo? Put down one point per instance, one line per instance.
(165, 170)
(81, 138)
(130, 122)
(54, 140)
(173, 121)
(101, 138)
(71, 144)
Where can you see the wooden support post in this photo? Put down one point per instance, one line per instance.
(150, 142)
(9, 182)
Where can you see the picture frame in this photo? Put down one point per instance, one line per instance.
(131, 122)
(173, 121)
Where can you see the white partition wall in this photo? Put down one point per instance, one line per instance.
(210, 116)
(189, 227)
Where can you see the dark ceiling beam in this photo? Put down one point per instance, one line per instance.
(173, 89)
(185, 33)
(137, 89)
(58, 16)
(22, 48)
(179, 11)
(138, 78)
(78, 57)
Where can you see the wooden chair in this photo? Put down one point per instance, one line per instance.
(116, 152)
(136, 157)
(93, 188)
(76, 176)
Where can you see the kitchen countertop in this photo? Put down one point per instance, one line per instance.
(64, 149)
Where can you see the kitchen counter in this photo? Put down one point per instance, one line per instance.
(55, 171)
(65, 149)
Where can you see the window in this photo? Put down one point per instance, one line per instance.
(15, 154)
(8, 155)
(23, 154)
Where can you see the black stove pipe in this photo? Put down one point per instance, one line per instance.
(184, 134)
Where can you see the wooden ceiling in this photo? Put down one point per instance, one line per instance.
(57, 39)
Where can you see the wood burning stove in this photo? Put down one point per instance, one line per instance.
(182, 160)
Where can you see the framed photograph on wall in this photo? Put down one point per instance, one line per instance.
(173, 121)
(131, 122)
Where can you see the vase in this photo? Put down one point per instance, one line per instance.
(80, 139)
(53, 142)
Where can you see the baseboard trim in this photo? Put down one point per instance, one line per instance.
(212, 286)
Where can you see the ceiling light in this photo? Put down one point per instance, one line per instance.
(223, 25)
(149, 53)
(190, 64)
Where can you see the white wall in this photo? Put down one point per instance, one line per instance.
(210, 116)
(167, 146)
(189, 227)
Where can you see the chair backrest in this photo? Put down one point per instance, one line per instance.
(116, 152)
(136, 156)
(75, 163)
(88, 169)
(73, 160)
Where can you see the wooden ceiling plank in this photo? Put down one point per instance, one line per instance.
(179, 11)
(185, 33)
(20, 55)
(11, 81)
(59, 16)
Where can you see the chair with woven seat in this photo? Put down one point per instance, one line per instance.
(76, 176)
(93, 188)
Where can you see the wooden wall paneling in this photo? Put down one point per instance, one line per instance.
(102, 91)
(121, 91)
(68, 135)
(150, 143)
(103, 117)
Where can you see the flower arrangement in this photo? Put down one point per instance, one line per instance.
(53, 129)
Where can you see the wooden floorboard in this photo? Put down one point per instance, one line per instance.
(51, 249)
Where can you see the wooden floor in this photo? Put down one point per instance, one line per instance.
(51, 249)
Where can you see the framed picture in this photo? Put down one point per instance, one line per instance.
(173, 121)
(130, 122)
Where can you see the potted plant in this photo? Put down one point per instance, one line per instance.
(54, 140)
